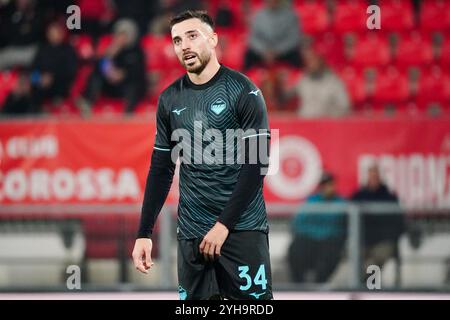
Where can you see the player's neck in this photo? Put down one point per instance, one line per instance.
(207, 74)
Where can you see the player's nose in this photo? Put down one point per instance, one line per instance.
(185, 46)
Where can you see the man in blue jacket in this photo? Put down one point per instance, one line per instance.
(319, 237)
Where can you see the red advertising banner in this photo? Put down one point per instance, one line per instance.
(107, 161)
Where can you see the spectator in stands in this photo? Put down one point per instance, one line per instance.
(224, 15)
(54, 67)
(96, 17)
(21, 28)
(380, 232)
(319, 237)
(320, 91)
(120, 72)
(275, 36)
(140, 11)
(18, 101)
(169, 8)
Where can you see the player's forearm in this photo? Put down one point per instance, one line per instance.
(249, 182)
(157, 187)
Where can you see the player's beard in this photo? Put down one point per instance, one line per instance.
(197, 67)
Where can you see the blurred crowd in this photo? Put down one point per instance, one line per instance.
(311, 58)
(319, 236)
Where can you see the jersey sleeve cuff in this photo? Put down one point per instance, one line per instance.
(162, 148)
(144, 234)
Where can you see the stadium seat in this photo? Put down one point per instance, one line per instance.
(435, 15)
(108, 106)
(80, 80)
(434, 87)
(159, 52)
(397, 15)
(8, 80)
(355, 84)
(444, 57)
(103, 44)
(257, 75)
(83, 46)
(413, 48)
(313, 16)
(370, 50)
(232, 49)
(330, 46)
(350, 16)
(65, 108)
(391, 86)
(161, 80)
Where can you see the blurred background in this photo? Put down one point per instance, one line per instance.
(363, 181)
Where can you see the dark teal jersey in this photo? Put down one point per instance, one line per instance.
(210, 168)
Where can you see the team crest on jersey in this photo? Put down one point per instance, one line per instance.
(218, 106)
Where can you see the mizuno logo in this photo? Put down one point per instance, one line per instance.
(255, 92)
(178, 111)
(257, 295)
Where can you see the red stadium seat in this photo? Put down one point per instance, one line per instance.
(83, 46)
(371, 50)
(397, 15)
(232, 49)
(103, 44)
(330, 46)
(313, 16)
(257, 75)
(350, 15)
(413, 49)
(434, 87)
(161, 80)
(8, 80)
(159, 52)
(444, 56)
(291, 76)
(64, 108)
(108, 106)
(391, 86)
(435, 15)
(80, 80)
(355, 84)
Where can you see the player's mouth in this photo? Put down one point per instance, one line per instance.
(189, 58)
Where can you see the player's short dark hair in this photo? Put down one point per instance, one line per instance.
(189, 14)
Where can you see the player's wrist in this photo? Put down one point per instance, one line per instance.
(223, 225)
(144, 235)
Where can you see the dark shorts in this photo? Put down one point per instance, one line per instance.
(241, 272)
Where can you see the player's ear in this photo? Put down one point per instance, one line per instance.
(214, 40)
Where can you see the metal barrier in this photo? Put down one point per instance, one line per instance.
(433, 225)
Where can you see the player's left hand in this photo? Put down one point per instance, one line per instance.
(213, 241)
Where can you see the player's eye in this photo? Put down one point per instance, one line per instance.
(177, 42)
(192, 36)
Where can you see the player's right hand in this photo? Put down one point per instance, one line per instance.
(142, 254)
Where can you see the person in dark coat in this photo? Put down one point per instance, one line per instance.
(380, 232)
(18, 101)
(54, 67)
(318, 237)
(120, 72)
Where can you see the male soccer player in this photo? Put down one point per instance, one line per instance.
(223, 249)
